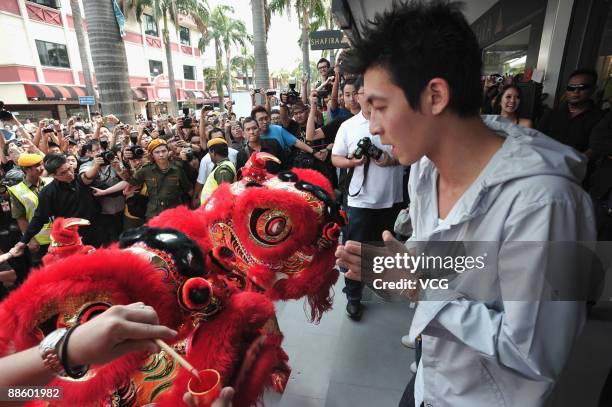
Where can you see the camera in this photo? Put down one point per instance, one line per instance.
(271, 93)
(187, 121)
(107, 156)
(208, 108)
(5, 114)
(189, 154)
(48, 129)
(18, 143)
(497, 78)
(367, 149)
(256, 90)
(292, 95)
(322, 94)
(137, 151)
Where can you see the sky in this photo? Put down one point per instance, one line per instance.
(283, 48)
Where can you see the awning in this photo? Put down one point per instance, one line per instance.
(54, 92)
(139, 94)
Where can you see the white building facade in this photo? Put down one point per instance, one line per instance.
(40, 67)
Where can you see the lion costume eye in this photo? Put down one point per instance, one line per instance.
(269, 226)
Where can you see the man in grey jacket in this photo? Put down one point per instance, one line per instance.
(483, 343)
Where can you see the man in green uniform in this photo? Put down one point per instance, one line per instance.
(24, 201)
(166, 181)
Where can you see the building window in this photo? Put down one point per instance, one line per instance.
(184, 35)
(150, 25)
(52, 54)
(189, 72)
(48, 3)
(155, 67)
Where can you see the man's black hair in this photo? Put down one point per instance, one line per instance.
(349, 81)
(216, 130)
(358, 82)
(417, 41)
(258, 109)
(273, 111)
(53, 162)
(592, 74)
(220, 149)
(324, 60)
(53, 144)
(249, 120)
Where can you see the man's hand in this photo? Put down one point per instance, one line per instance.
(97, 192)
(113, 119)
(33, 246)
(98, 162)
(349, 257)
(8, 277)
(116, 164)
(314, 99)
(356, 162)
(127, 154)
(18, 249)
(322, 154)
(119, 330)
(183, 154)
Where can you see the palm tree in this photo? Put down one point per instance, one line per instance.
(109, 60)
(306, 9)
(327, 22)
(260, 27)
(234, 33)
(224, 31)
(243, 63)
(169, 10)
(210, 77)
(83, 48)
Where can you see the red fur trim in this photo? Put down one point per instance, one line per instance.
(122, 275)
(219, 344)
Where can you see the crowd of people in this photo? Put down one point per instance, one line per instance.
(385, 147)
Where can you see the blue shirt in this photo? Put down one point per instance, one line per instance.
(339, 113)
(278, 133)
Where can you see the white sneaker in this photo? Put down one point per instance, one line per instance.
(407, 343)
(413, 367)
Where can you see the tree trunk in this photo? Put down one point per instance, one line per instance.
(109, 60)
(262, 74)
(229, 71)
(83, 48)
(219, 60)
(305, 46)
(332, 58)
(173, 110)
(245, 72)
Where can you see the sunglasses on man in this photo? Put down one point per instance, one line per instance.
(578, 88)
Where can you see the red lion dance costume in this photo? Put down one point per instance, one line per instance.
(211, 274)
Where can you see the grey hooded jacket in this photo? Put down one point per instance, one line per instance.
(499, 351)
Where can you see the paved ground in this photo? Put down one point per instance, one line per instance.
(342, 363)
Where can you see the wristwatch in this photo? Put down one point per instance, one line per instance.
(49, 351)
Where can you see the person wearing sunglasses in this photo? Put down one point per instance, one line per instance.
(572, 121)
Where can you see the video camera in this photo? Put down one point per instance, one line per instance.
(292, 96)
(365, 147)
(137, 151)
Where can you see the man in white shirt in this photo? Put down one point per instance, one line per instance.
(374, 191)
(206, 166)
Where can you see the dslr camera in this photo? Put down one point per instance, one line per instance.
(107, 156)
(137, 151)
(189, 154)
(366, 148)
(292, 95)
(187, 121)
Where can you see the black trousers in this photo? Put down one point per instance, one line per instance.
(367, 225)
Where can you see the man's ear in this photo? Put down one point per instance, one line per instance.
(436, 96)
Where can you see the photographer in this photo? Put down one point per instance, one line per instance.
(336, 106)
(374, 188)
(102, 172)
(256, 144)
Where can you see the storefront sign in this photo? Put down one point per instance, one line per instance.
(505, 18)
(328, 40)
(87, 100)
